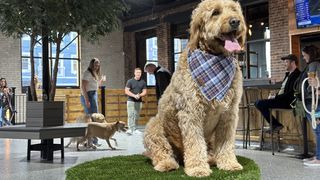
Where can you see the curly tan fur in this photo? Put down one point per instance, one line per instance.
(188, 128)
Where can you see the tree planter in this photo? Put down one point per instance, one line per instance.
(44, 113)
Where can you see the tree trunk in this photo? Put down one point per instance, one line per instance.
(55, 69)
(32, 83)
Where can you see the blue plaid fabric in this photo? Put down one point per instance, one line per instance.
(213, 74)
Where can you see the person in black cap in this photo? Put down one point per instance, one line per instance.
(285, 95)
(162, 76)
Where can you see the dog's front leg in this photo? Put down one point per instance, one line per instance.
(115, 141)
(222, 151)
(70, 141)
(110, 144)
(195, 149)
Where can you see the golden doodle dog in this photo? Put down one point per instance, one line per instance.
(198, 112)
(103, 131)
(87, 118)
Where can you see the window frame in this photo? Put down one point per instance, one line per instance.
(51, 59)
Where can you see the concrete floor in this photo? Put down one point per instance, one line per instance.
(14, 164)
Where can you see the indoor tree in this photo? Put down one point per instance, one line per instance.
(90, 18)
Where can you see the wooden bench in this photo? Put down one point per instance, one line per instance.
(46, 135)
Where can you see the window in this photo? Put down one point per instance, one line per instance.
(179, 45)
(258, 63)
(68, 69)
(152, 57)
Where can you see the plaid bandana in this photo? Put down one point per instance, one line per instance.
(213, 74)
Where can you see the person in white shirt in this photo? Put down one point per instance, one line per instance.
(90, 82)
(91, 79)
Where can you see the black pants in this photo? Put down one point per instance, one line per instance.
(263, 106)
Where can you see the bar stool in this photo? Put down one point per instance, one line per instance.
(277, 110)
(243, 107)
(252, 94)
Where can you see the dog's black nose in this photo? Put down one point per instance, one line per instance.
(234, 23)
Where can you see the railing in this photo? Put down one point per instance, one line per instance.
(20, 107)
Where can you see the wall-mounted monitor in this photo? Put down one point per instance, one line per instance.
(307, 13)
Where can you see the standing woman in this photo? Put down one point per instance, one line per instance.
(5, 102)
(91, 79)
(311, 54)
(90, 82)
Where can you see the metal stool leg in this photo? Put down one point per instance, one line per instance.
(271, 130)
(278, 143)
(278, 140)
(262, 134)
(244, 128)
(248, 128)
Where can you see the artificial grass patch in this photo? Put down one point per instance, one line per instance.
(139, 167)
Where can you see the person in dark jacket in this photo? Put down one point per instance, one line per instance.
(162, 76)
(285, 95)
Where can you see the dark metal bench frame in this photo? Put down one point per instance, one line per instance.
(46, 135)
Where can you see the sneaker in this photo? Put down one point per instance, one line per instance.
(129, 132)
(278, 128)
(137, 132)
(275, 129)
(313, 163)
(309, 159)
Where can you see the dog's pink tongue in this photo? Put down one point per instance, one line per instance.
(232, 46)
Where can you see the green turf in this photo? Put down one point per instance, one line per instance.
(139, 167)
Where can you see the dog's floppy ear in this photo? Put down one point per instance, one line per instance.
(194, 30)
(242, 40)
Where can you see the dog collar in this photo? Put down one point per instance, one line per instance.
(213, 74)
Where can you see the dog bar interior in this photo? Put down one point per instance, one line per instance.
(157, 32)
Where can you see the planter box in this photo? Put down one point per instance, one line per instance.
(44, 113)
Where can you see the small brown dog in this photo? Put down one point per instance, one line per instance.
(87, 118)
(103, 131)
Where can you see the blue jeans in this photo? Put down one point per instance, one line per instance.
(316, 131)
(3, 118)
(93, 99)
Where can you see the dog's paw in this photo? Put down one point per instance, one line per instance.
(147, 154)
(198, 171)
(113, 148)
(166, 165)
(212, 161)
(230, 166)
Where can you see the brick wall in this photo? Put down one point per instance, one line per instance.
(10, 63)
(129, 49)
(165, 43)
(279, 36)
(109, 50)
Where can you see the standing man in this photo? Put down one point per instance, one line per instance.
(285, 95)
(162, 76)
(135, 89)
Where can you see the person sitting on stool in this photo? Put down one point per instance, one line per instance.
(285, 95)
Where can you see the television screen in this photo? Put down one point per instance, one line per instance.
(307, 13)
